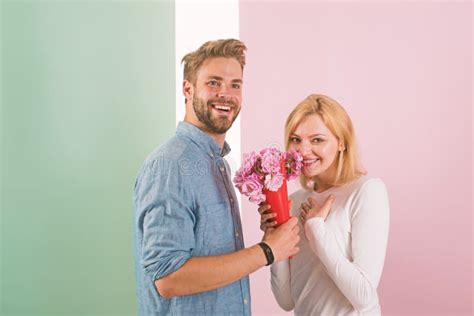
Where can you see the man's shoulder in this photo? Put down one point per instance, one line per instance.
(173, 150)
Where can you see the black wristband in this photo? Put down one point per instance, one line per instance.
(268, 253)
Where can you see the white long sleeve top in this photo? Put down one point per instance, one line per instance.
(340, 262)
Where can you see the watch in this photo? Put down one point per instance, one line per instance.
(268, 252)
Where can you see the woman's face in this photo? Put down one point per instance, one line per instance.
(316, 143)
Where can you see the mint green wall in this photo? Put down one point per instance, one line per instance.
(87, 92)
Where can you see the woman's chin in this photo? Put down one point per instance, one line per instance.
(310, 173)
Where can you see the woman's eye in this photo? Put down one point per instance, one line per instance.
(318, 140)
(294, 140)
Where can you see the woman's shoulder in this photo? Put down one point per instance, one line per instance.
(369, 196)
(367, 184)
(368, 180)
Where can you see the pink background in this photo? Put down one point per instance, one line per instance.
(403, 71)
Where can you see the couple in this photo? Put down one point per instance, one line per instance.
(189, 251)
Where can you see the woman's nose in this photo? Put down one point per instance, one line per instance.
(305, 148)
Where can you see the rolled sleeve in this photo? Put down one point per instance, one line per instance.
(166, 218)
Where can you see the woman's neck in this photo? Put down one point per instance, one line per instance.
(325, 180)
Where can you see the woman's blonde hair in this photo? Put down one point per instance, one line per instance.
(339, 123)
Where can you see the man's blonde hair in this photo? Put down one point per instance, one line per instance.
(229, 48)
(339, 123)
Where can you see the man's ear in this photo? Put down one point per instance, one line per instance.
(188, 90)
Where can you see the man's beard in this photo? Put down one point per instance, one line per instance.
(218, 125)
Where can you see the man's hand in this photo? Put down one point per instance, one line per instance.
(284, 239)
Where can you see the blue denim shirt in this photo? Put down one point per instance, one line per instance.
(185, 206)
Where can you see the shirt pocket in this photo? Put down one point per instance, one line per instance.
(219, 229)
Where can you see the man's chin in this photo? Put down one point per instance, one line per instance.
(221, 128)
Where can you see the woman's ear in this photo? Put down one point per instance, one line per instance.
(342, 147)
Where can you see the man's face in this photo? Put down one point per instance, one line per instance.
(218, 94)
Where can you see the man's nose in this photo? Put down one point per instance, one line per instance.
(224, 93)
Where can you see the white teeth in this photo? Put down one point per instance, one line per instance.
(222, 107)
(310, 161)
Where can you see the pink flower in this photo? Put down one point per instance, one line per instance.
(294, 163)
(239, 180)
(271, 160)
(274, 182)
(250, 160)
(257, 198)
(262, 171)
(251, 185)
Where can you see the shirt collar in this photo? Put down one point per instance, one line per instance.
(204, 141)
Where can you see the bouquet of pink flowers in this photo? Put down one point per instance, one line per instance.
(266, 171)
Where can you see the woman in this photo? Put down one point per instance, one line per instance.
(344, 216)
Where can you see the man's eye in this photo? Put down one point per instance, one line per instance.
(213, 83)
(236, 86)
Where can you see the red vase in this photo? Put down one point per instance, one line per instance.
(279, 200)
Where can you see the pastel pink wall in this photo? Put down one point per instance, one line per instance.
(403, 71)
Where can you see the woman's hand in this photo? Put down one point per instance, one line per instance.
(311, 209)
(267, 216)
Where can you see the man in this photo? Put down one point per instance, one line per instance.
(189, 251)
